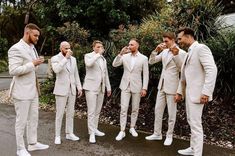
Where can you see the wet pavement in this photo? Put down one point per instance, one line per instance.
(105, 146)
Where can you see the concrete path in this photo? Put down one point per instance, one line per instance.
(5, 77)
(41, 72)
(105, 146)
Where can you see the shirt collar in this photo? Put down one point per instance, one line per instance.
(136, 54)
(192, 45)
(63, 55)
(30, 46)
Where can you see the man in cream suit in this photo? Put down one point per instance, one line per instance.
(134, 84)
(96, 80)
(198, 78)
(67, 81)
(168, 85)
(24, 89)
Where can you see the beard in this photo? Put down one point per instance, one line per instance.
(184, 46)
(34, 42)
(133, 50)
(63, 52)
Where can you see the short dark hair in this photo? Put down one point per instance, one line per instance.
(95, 42)
(187, 31)
(169, 35)
(32, 27)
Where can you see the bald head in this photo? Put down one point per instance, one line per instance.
(65, 47)
(64, 43)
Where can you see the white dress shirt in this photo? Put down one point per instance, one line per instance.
(133, 60)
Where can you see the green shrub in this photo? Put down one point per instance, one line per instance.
(223, 48)
(73, 33)
(46, 87)
(3, 65)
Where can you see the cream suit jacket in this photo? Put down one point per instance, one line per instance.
(23, 85)
(133, 77)
(96, 74)
(198, 73)
(65, 77)
(171, 67)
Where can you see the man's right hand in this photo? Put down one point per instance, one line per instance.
(160, 47)
(68, 54)
(38, 61)
(124, 50)
(178, 98)
(101, 51)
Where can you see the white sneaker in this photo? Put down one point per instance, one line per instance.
(154, 137)
(133, 132)
(168, 141)
(72, 137)
(92, 138)
(37, 146)
(187, 151)
(57, 140)
(120, 135)
(99, 133)
(23, 152)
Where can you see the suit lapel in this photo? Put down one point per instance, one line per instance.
(165, 59)
(60, 55)
(185, 61)
(129, 62)
(27, 51)
(169, 58)
(101, 63)
(190, 51)
(72, 64)
(68, 68)
(189, 56)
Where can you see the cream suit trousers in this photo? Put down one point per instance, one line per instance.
(162, 100)
(94, 105)
(62, 102)
(125, 100)
(194, 115)
(26, 114)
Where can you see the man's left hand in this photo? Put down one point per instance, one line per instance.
(79, 93)
(204, 99)
(109, 93)
(143, 93)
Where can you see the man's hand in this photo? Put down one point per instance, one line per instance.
(38, 61)
(101, 51)
(160, 47)
(204, 99)
(68, 53)
(178, 98)
(143, 92)
(125, 50)
(109, 93)
(79, 93)
(174, 50)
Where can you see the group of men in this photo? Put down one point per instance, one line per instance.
(189, 75)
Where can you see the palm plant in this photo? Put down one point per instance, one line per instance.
(200, 15)
(223, 48)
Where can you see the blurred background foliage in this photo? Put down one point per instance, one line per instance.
(115, 22)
